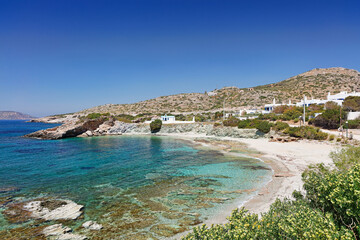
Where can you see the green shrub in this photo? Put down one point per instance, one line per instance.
(329, 119)
(264, 126)
(291, 114)
(306, 132)
(331, 137)
(231, 122)
(346, 157)
(335, 192)
(244, 123)
(155, 125)
(93, 115)
(352, 124)
(279, 126)
(285, 220)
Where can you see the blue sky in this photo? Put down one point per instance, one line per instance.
(65, 56)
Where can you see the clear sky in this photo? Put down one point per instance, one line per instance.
(68, 55)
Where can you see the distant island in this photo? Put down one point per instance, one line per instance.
(11, 115)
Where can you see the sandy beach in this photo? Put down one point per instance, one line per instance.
(288, 161)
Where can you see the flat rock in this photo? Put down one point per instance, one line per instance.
(55, 230)
(59, 232)
(54, 209)
(92, 225)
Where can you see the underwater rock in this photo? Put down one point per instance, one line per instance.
(92, 225)
(9, 189)
(54, 209)
(59, 232)
(167, 230)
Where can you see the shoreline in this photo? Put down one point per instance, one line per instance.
(287, 161)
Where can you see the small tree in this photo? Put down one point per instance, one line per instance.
(264, 126)
(352, 103)
(155, 126)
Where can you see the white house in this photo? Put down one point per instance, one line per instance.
(171, 120)
(270, 107)
(168, 119)
(337, 98)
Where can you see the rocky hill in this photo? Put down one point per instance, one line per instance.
(11, 115)
(315, 83)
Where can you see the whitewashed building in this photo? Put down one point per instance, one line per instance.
(337, 98)
(169, 119)
(270, 107)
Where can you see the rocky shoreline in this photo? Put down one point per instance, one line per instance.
(45, 211)
(105, 127)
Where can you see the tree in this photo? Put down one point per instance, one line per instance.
(329, 119)
(280, 109)
(155, 125)
(352, 103)
(331, 105)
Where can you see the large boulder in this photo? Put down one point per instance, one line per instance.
(67, 130)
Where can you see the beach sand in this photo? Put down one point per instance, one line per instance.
(288, 161)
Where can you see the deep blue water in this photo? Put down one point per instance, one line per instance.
(102, 170)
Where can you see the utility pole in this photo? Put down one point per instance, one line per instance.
(224, 110)
(304, 109)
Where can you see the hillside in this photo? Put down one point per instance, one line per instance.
(11, 115)
(315, 83)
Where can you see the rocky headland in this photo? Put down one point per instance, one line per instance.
(12, 115)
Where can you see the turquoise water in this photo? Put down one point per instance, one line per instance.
(133, 185)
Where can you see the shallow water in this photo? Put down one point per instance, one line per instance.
(137, 187)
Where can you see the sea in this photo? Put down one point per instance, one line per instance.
(137, 187)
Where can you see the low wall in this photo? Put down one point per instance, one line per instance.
(353, 115)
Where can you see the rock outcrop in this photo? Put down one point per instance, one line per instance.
(69, 129)
(59, 232)
(54, 209)
(92, 225)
